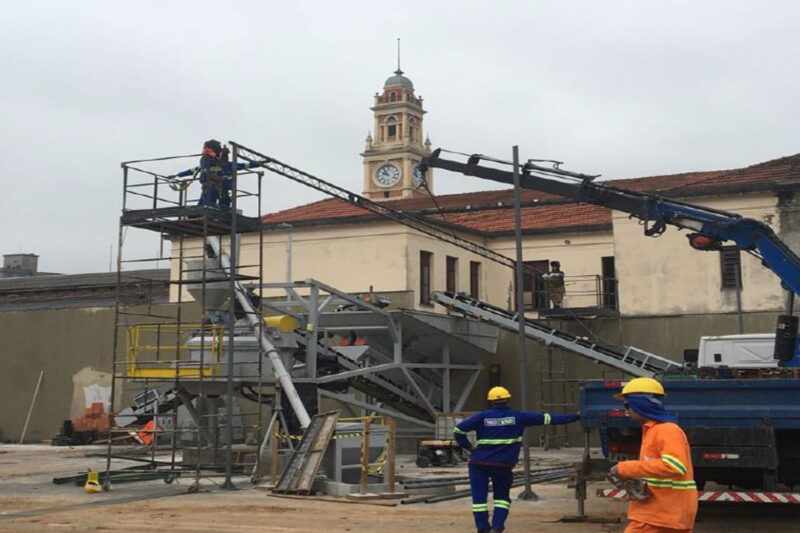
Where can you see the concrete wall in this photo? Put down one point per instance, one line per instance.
(441, 250)
(665, 276)
(60, 342)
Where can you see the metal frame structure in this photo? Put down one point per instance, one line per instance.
(415, 366)
(425, 378)
(155, 201)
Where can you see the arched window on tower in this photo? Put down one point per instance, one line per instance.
(412, 127)
(392, 96)
(391, 128)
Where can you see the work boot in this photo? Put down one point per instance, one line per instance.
(484, 531)
(497, 530)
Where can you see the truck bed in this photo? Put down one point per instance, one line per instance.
(735, 403)
(743, 432)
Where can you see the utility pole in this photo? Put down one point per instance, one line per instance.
(527, 493)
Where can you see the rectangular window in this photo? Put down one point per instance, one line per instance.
(609, 285)
(392, 131)
(730, 264)
(425, 262)
(475, 279)
(452, 269)
(534, 292)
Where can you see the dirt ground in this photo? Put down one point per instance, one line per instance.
(30, 502)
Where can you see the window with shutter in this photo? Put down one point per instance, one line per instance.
(425, 260)
(730, 267)
(475, 279)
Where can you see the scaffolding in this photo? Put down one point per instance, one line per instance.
(181, 354)
(324, 344)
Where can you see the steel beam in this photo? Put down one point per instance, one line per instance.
(467, 389)
(353, 373)
(431, 409)
(378, 409)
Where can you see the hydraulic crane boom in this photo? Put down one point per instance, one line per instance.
(711, 227)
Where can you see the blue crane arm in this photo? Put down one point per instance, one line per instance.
(657, 212)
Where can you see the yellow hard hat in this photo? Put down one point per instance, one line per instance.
(642, 386)
(498, 393)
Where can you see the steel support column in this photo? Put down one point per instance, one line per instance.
(527, 493)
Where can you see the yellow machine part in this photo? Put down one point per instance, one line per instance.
(283, 323)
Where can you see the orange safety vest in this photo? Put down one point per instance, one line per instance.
(665, 462)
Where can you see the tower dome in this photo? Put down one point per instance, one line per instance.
(399, 80)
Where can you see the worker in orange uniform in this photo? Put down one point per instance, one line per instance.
(665, 464)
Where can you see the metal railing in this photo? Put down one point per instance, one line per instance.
(164, 340)
(590, 290)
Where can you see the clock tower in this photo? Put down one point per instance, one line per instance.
(395, 147)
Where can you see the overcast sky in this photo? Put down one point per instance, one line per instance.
(624, 89)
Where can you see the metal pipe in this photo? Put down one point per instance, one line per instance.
(467, 492)
(277, 364)
(451, 481)
(115, 342)
(528, 493)
(738, 271)
(232, 270)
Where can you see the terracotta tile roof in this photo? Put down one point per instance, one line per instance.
(561, 216)
(785, 170)
(488, 211)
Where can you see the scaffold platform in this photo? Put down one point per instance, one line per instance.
(194, 220)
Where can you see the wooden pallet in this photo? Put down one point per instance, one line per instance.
(301, 470)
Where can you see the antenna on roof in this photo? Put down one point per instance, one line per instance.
(398, 71)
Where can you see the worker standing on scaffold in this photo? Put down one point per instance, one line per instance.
(216, 184)
(499, 431)
(214, 174)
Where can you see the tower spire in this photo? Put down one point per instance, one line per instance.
(399, 72)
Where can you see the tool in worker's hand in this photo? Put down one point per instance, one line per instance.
(636, 489)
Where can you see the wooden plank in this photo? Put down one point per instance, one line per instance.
(315, 455)
(301, 470)
(390, 454)
(365, 455)
(30, 409)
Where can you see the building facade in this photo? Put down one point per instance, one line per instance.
(620, 286)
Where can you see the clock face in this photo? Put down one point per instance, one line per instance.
(387, 175)
(419, 177)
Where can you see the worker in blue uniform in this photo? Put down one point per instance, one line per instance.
(499, 432)
(214, 174)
